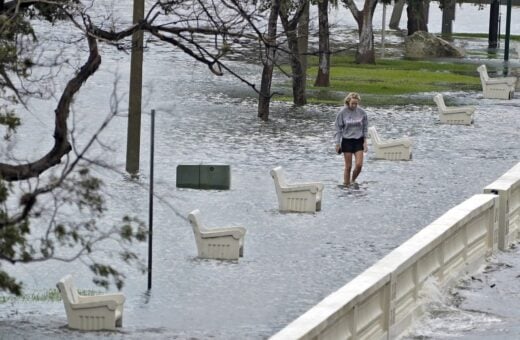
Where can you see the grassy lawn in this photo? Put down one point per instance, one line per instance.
(390, 81)
(50, 295)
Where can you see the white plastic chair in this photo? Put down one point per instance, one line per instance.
(296, 197)
(217, 243)
(392, 149)
(496, 88)
(91, 313)
(453, 115)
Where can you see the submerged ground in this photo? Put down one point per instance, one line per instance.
(291, 261)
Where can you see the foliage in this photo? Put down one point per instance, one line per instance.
(35, 222)
(53, 207)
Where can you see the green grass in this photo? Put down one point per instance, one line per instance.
(50, 295)
(483, 36)
(385, 81)
(399, 77)
(389, 82)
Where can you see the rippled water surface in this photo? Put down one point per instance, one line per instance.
(291, 261)
(481, 306)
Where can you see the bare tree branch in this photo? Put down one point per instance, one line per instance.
(61, 144)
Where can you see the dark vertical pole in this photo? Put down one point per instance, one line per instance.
(150, 209)
(448, 14)
(494, 11)
(508, 31)
(134, 101)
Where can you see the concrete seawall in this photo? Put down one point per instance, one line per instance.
(382, 302)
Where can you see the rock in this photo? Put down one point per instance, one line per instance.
(425, 45)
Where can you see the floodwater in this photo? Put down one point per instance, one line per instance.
(481, 306)
(291, 261)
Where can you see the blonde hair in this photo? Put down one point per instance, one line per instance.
(352, 95)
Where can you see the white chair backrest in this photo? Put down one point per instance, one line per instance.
(278, 176)
(373, 134)
(68, 291)
(439, 100)
(194, 218)
(482, 70)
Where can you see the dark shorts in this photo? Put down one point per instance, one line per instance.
(352, 145)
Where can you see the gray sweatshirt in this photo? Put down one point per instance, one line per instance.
(351, 124)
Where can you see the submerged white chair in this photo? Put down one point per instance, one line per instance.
(392, 149)
(217, 243)
(453, 115)
(296, 197)
(496, 88)
(91, 313)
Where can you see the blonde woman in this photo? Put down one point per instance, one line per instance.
(350, 137)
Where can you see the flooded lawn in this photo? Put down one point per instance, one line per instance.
(291, 261)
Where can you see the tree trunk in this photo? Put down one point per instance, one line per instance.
(397, 12)
(291, 29)
(298, 76)
(323, 77)
(303, 39)
(264, 97)
(365, 53)
(448, 15)
(494, 16)
(417, 11)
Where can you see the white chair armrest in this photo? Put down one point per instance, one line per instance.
(111, 305)
(460, 109)
(311, 188)
(119, 298)
(395, 142)
(235, 232)
(304, 186)
(498, 81)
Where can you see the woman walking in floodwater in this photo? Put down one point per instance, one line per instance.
(351, 133)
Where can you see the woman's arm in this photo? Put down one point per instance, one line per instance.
(338, 125)
(365, 124)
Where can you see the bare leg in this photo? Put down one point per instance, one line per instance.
(348, 167)
(358, 166)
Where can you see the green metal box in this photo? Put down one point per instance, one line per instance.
(204, 176)
(215, 177)
(188, 176)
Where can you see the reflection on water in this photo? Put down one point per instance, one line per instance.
(291, 261)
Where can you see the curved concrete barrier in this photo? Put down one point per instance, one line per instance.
(507, 187)
(381, 302)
